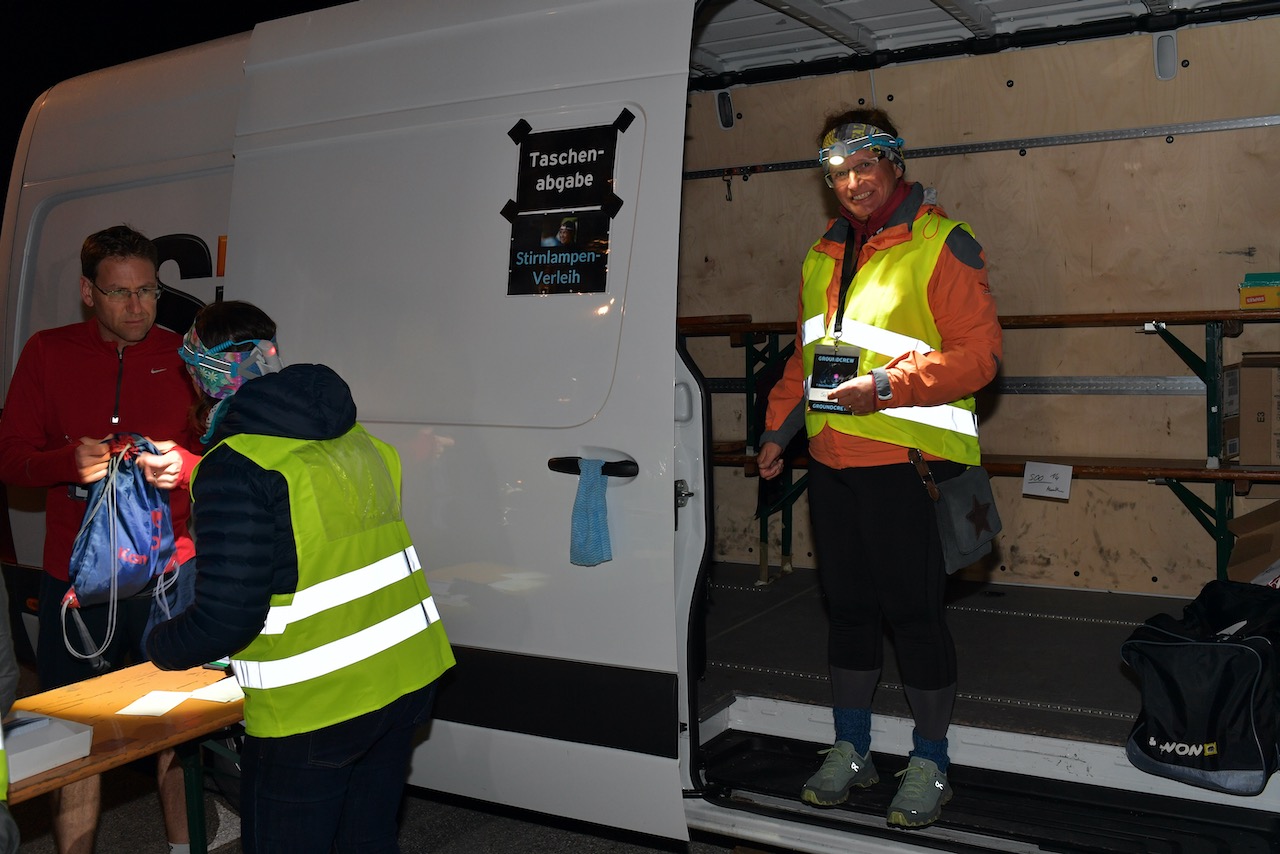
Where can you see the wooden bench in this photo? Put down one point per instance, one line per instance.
(763, 343)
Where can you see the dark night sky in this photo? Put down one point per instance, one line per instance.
(45, 42)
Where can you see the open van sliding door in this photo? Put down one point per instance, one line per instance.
(398, 169)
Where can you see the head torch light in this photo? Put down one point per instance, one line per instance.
(847, 139)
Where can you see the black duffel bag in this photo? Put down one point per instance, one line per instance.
(1210, 711)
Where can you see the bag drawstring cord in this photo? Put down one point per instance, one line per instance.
(108, 498)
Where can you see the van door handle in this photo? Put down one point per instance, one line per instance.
(569, 465)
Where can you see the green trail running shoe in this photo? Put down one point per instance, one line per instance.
(921, 794)
(841, 771)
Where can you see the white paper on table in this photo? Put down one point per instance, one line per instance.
(155, 704)
(1046, 480)
(223, 691)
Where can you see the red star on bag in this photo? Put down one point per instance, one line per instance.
(979, 516)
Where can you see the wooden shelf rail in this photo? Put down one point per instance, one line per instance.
(763, 345)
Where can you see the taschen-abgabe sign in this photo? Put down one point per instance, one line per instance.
(564, 204)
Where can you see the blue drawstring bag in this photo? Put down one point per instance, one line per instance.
(124, 543)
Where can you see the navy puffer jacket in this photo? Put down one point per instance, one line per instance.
(244, 537)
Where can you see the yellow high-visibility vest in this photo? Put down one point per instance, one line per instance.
(886, 314)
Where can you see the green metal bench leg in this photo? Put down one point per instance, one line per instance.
(786, 566)
(764, 552)
(193, 778)
(1213, 518)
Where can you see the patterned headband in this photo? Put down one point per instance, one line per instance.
(220, 371)
(846, 139)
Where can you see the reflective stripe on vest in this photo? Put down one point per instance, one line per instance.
(338, 654)
(340, 590)
(892, 344)
(4, 770)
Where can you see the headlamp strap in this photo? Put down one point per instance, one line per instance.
(263, 359)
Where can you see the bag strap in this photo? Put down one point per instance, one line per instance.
(922, 469)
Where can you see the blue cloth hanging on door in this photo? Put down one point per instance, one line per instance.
(589, 535)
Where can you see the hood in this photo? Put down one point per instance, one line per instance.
(299, 402)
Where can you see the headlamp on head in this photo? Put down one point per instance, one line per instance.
(220, 371)
(842, 142)
(263, 358)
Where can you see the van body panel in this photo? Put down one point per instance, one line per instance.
(376, 225)
(368, 167)
(507, 768)
(158, 156)
(149, 143)
(373, 221)
(160, 110)
(534, 48)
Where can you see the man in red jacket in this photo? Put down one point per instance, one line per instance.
(73, 388)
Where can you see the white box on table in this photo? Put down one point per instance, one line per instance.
(35, 743)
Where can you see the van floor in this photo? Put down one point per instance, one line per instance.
(1031, 659)
(1040, 661)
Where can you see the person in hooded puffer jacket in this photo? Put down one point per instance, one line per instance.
(307, 578)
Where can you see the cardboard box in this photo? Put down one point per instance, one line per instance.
(1259, 420)
(1231, 390)
(1257, 542)
(1229, 410)
(1231, 438)
(1260, 290)
(35, 743)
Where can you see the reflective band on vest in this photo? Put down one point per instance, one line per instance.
(4, 770)
(338, 591)
(944, 416)
(340, 653)
(888, 343)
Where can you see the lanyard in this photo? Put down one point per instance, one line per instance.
(852, 246)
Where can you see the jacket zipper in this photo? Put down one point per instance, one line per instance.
(115, 415)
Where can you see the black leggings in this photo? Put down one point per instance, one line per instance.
(880, 560)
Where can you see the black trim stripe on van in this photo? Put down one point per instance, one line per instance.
(617, 707)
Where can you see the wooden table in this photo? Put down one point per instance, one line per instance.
(120, 739)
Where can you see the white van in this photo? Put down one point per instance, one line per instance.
(387, 180)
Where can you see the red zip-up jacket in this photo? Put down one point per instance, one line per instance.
(69, 383)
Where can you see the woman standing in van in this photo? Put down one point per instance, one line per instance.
(895, 295)
(307, 578)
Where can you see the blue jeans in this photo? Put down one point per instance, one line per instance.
(336, 789)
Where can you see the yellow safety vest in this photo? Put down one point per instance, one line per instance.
(4, 770)
(887, 314)
(361, 630)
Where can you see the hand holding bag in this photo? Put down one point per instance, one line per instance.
(124, 543)
(967, 517)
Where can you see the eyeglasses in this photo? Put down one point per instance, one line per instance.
(861, 168)
(150, 293)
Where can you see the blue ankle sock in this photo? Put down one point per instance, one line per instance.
(854, 726)
(934, 751)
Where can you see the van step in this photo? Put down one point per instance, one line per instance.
(1010, 811)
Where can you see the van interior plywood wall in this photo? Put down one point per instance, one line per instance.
(1161, 222)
